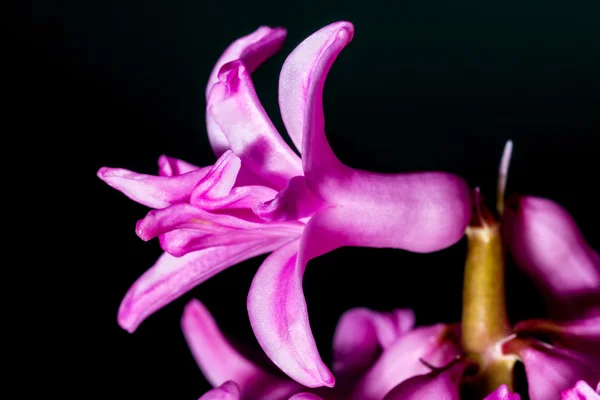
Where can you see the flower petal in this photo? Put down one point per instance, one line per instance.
(152, 191)
(279, 318)
(547, 244)
(502, 393)
(234, 106)
(252, 50)
(360, 336)
(220, 362)
(305, 396)
(169, 166)
(581, 391)
(171, 277)
(442, 385)
(435, 344)
(297, 71)
(420, 212)
(292, 203)
(227, 391)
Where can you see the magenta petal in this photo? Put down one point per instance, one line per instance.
(305, 396)
(443, 385)
(502, 393)
(360, 336)
(234, 106)
(292, 203)
(252, 50)
(279, 318)
(297, 71)
(547, 244)
(402, 360)
(169, 166)
(227, 391)
(171, 277)
(152, 191)
(581, 391)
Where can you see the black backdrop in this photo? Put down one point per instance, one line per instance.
(423, 86)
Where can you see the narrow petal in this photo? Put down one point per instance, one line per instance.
(252, 50)
(420, 212)
(221, 362)
(551, 369)
(292, 203)
(152, 191)
(434, 344)
(360, 336)
(234, 106)
(169, 166)
(547, 244)
(295, 74)
(279, 318)
(441, 385)
(171, 277)
(502, 393)
(305, 396)
(227, 391)
(581, 391)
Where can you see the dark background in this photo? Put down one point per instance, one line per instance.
(429, 85)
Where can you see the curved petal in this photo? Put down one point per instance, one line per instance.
(547, 244)
(234, 106)
(305, 396)
(169, 166)
(295, 74)
(581, 391)
(152, 191)
(502, 393)
(443, 385)
(227, 391)
(360, 336)
(435, 344)
(420, 212)
(292, 203)
(252, 50)
(279, 318)
(171, 277)
(221, 362)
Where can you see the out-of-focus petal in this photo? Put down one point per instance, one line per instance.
(252, 50)
(227, 391)
(551, 369)
(581, 391)
(221, 362)
(440, 385)
(171, 277)
(169, 166)
(434, 344)
(152, 191)
(547, 244)
(297, 70)
(292, 203)
(185, 216)
(502, 393)
(305, 396)
(234, 106)
(360, 336)
(279, 317)
(580, 335)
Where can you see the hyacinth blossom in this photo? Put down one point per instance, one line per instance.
(261, 197)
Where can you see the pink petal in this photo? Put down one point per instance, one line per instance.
(171, 277)
(185, 216)
(581, 391)
(221, 362)
(279, 318)
(420, 212)
(502, 393)
(435, 344)
(227, 391)
(234, 106)
(292, 203)
(443, 385)
(297, 71)
(550, 369)
(305, 396)
(152, 191)
(252, 50)
(360, 336)
(169, 166)
(547, 244)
